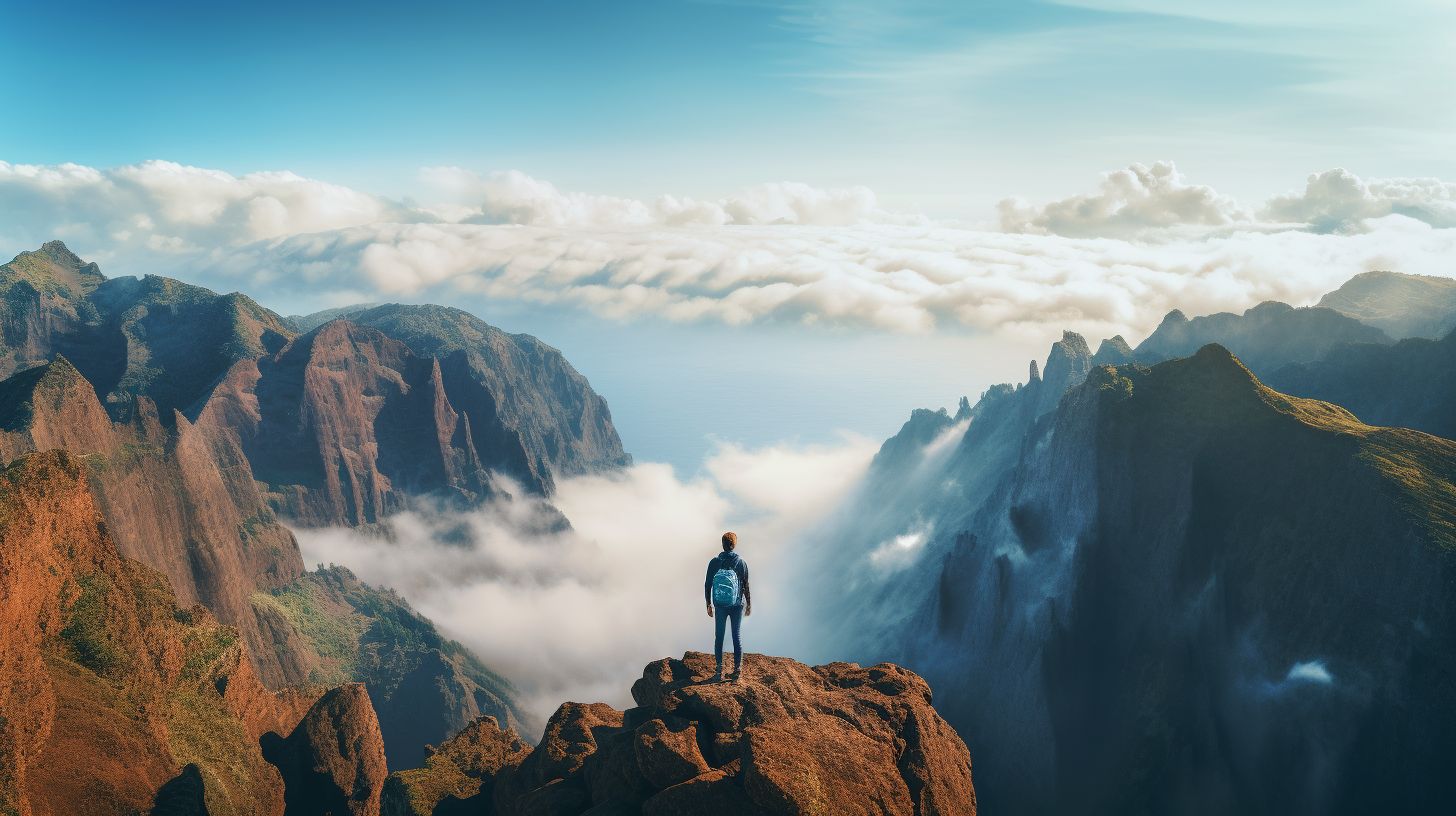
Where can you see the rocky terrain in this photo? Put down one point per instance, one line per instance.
(201, 419)
(1177, 591)
(115, 699)
(340, 422)
(118, 700)
(788, 738)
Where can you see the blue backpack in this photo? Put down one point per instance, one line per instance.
(725, 587)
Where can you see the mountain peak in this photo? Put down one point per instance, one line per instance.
(61, 254)
(54, 269)
(1268, 308)
(787, 738)
(1113, 351)
(1174, 317)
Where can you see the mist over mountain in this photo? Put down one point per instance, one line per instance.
(1401, 305)
(200, 418)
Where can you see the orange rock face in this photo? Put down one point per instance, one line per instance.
(114, 699)
(786, 739)
(344, 424)
(177, 500)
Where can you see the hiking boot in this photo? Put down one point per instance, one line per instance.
(717, 677)
(733, 678)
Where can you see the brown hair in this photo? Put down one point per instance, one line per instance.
(730, 540)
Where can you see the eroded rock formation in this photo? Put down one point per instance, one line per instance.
(788, 738)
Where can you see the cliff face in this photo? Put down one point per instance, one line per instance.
(116, 699)
(344, 425)
(786, 739)
(200, 415)
(1180, 591)
(518, 392)
(172, 499)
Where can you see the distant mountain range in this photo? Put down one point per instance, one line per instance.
(1145, 581)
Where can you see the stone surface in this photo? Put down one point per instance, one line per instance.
(787, 738)
(333, 761)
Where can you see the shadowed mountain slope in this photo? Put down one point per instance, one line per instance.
(1411, 384)
(1265, 337)
(1180, 591)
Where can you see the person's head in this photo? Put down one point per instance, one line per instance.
(730, 540)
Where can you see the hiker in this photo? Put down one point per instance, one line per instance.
(726, 591)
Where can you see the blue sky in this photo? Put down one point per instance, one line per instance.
(940, 107)
(749, 221)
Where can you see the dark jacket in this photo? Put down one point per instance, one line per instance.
(726, 560)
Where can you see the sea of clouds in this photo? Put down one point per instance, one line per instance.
(1113, 260)
(575, 614)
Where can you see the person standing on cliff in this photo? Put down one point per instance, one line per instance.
(726, 592)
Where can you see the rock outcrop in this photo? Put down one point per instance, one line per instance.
(333, 762)
(788, 738)
(1067, 365)
(114, 699)
(458, 778)
(333, 628)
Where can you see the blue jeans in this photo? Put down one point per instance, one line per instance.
(721, 615)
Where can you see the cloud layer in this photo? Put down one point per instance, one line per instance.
(588, 607)
(512, 197)
(1129, 202)
(1111, 261)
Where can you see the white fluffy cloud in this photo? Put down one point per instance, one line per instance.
(1154, 202)
(1110, 262)
(908, 279)
(1130, 201)
(1339, 200)
(513, 197)
(589, 606)
(168, 207)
